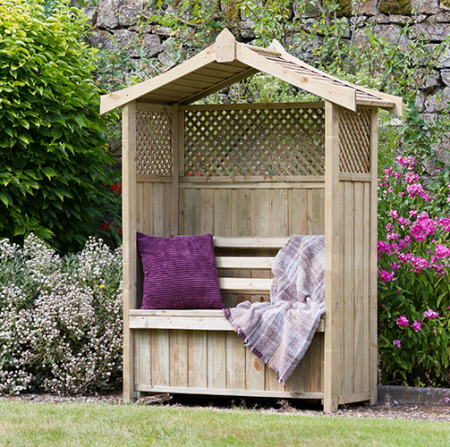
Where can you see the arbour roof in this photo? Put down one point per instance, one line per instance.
(226, 62)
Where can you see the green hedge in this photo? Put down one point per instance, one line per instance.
(52, 153)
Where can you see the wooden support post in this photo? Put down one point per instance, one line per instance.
(373, 336)
(129, 242)
(175, 169)
(333, 300)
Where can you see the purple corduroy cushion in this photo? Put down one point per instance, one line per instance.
(179, 273)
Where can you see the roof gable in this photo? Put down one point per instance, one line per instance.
(226, 62)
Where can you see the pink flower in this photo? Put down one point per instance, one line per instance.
(447, 400)
(414, 190)
(393, 214)
(384, 247)
(442, 251)
(397, 343)
(413, 213)
(417, 326)
(411, 178)
(402, 321)
(392, 236)
(430, 313)
(419, 264)
(394, 266)
(386, 276)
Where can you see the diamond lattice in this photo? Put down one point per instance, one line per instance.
(354, 141)
(254, 142)
(153, 143)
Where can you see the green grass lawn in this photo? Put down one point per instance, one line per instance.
(76, 424)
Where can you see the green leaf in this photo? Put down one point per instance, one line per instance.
(6, 199)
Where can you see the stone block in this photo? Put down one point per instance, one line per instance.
(389, 32)
(430, 31)
(438, 102)
(428, 7)
(429, 81)
(445, 75)
(107, 14)
(129, 15)
(369, 8)
(399, 19)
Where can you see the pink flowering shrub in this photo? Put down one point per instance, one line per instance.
(414, 275)
(60, 318)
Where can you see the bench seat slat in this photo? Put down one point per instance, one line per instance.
(201, 320)
(250, 242)
(245, 284)
(244, 262)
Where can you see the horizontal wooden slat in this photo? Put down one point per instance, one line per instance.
(237, 262)
(212, 391)
(270, 105)
(210, 313)
(248, 185)
(245, 284)
(268, 180)
(250, 242)
(187, 323)
(200, 320)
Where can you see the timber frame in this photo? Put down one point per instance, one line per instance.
(251, 174)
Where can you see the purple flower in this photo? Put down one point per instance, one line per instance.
(430, 313)
(386, 276)
(442, 251)
(417, 326)
(397, 343)
(393, 214)
(414, 190)
(402, 321)
(447, 400)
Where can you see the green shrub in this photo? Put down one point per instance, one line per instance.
(52, 153)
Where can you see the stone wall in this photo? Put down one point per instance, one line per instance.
(119, 18)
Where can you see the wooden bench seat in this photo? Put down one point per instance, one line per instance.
(200, 320)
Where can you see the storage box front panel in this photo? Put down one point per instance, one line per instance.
(209, 360)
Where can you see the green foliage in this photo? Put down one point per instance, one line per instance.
(51, 146)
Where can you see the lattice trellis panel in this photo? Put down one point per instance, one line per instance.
(254, 142)
(153, 143)
(354, 141)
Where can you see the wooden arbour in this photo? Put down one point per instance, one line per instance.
(251, 174)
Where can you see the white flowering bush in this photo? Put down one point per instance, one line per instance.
(60, 318)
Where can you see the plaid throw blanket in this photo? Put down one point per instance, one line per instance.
(280, 332)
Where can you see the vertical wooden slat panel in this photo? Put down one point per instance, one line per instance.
(168, 207)
(272, 383)
(349, 290)
(197, 359)
(316, 211)
(255, 372)
(333, 304)
(222, 212)
(296, 382)
(358, 282)
(243, 213)
(205, 221)
(181, 205)
(178, 358)
(147, 209)
(217, 360)
(235, 362)
(278, 212)
(189, 214)
(158, 209)
(160, 365)
(129, 242)
(144, 353)
(175, 169)
(373, 254)
(298, 211)
(260, 212)
(316, 349)
(366, 285)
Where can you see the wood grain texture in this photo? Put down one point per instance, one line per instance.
(129, 214)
